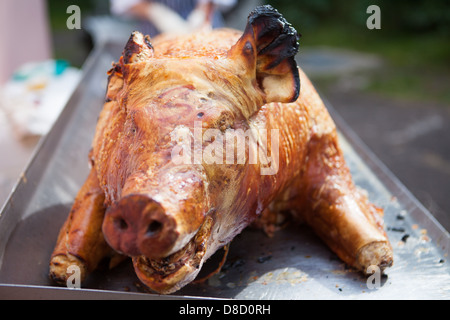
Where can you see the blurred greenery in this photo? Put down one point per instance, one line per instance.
(57, 10)
(413, 40)
(399, 16)
(72, 45)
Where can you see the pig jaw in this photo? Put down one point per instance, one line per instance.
(170, 274)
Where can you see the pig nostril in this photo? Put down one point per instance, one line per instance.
(153, 228)
(121, 224)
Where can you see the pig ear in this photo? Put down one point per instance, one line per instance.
(270, 44)
(137, 49)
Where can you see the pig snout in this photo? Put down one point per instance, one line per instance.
(155, 226)
(138, 224)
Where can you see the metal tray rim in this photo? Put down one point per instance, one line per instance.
(386, 178)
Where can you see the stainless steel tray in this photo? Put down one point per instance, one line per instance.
(294, 264)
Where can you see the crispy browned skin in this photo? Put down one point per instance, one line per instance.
(323, 194)
(171, 217)
(80, 241)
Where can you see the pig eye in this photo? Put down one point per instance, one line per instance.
(133, 130)
(225, 121)
(200, 115)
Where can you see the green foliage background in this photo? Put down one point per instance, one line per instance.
(413, 40)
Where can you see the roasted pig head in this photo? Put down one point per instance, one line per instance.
(201, 136)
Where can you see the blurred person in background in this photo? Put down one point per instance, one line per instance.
(172, 16)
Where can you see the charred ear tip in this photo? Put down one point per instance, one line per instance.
(138, 37)
(296, 82)
(269, 20)
(266, 9)
(269, 12)
(297, 90)
(136, 33)
(264, 12)
(138, 48)
(135, 36)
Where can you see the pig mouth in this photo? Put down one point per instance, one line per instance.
(169, 274)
